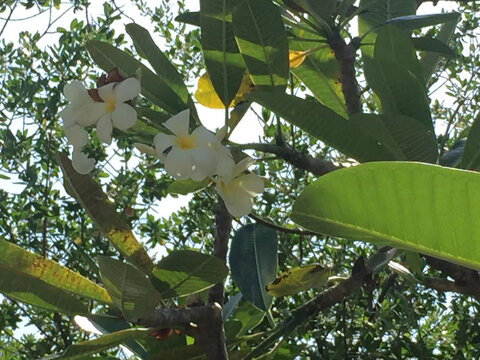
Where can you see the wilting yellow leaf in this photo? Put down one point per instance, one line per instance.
(298, 279)
(295, 58)
(207, 96)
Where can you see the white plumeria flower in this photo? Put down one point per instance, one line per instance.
(78, 96)
(76, 135)
(238, 189)
(81, 162)
(191, 155)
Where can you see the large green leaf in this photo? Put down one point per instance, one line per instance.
(164, 69)
(186, 272)
(430, 61)
(23, 262)
(471, 152)
(253, 262)
(129, 288)
(414, 206)
(320, 72)
(91, 197)
(433, 45)
(223, 60)
(35, 292)
(412, 22)
(100, 344)
(326, 125)
(403, 136)
(261, 38)
(154, 87)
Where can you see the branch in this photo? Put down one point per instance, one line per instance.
(316, 166)
(181, 318)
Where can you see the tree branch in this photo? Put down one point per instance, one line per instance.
(316, 166)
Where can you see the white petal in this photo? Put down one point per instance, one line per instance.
(161, 142)
(76, 135)
(106, 92)
(81, 163)
(204, 162)
(76, 92)
(242, 165)
(104, 129)
(145, 149)
(68, 116)
(89, 114)
(178, 124)
(225, 166)
(237, 201)
(251, 183)
(179, 163)
(203, 137)
(124, 116)
(127, 90)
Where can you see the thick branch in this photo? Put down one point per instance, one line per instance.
(316, 166)
(182, 317)
(443, 285)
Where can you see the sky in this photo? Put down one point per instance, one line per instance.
(249, 130)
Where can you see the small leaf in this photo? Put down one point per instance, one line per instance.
(253, 262)
(14, 258)
(186, 272)
(296, 58)
(91, 197)
(298, 279)
(129, 288)
(262, 40)
(190, 17)
(412, 206)
(249, 315)
(100, 344)
(188, 186)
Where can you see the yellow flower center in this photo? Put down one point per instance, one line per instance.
(186, 142)
(109, 105)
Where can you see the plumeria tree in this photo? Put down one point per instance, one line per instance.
(336, 236)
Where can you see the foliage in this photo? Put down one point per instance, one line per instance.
(401, 92)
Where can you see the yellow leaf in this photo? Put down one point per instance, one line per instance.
(207, 96)
(295, 58)
(298, 279)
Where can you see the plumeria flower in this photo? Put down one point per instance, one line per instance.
(113, 111)
(78, 96)
(238, 188)
(81, 162)
(190, 155)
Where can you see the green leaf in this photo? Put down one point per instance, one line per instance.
(35, 292)
(129, 288)
(320, 73)
(394, 46)
(91, 197)
(156, 118)
(412, 206)
(223, 60)
(471, 152)
(253, 262)
(403, 136)
(453, 157)
(100, 344)
(186, 272)
(250, 316)
(154, 87)
(188, 186)
(189, 17)
(23, 262)
(261, 38)
(109, 324)
(434, 46)
(298, 279)
(326, 125)
(412, 22)
(319, 9)
(430, 61)
(164, 69)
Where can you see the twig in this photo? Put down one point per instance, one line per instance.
(8, 18)
(316, 166)
(281, 228)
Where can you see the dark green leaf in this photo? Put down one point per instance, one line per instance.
(262, 40)
(471, 153)
(433, 45)
(253, 262)
(188, 186)
(412, 22)
(190, 17)
(186, 272)
(129, 288)
(453, 157)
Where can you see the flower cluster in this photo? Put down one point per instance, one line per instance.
(200, 154)
(103, 108)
